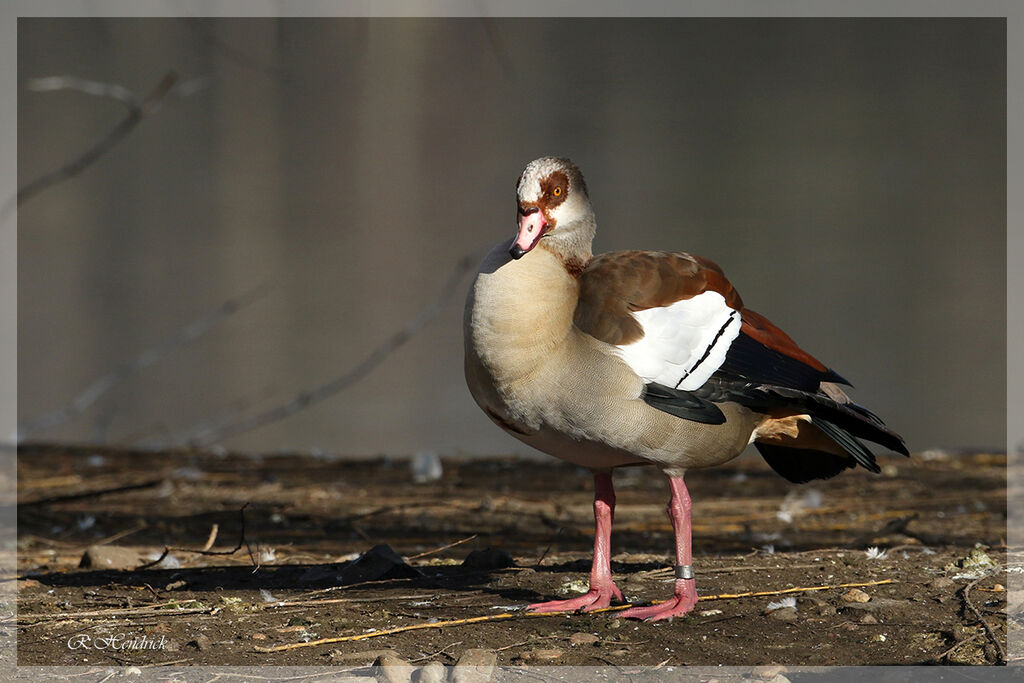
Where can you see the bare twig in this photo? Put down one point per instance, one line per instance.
(965, 592)
(212, 537)
(121, 534)
(93, 493)
(100, 386)
(939, 658)
(444, 547)
(205, 550)
(137, 111)
(367, 365)
(96, 88)
(147, 610)
(516, 615)
(434, 654)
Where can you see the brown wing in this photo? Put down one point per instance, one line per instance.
(616, 284)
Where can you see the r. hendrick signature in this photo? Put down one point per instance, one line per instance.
(118, 641)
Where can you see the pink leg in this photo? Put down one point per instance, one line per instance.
(602, 588)
(685, 593)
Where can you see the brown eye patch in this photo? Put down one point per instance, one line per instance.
(554, 188)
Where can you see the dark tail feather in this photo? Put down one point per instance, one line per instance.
(848, 421)
(801, 465)
(848, 442)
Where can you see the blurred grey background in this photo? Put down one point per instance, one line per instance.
(849, 176)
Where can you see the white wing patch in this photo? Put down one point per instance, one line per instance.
(683, 344)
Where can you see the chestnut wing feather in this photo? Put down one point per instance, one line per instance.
(618, 286)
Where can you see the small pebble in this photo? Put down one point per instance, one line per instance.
(615, 623)
(784, 614)
(474, 666)
(941, 583)
(583, 639)
(391, 669)
(434, 672)
(710, 612)
(855, 595)
(868, 619)
(109, 557)
(174, 585)
(547, 654)
(767, 672)
(200, 643)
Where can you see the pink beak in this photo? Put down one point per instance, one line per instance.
(532, 226)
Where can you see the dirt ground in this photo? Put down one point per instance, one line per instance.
(936, 595)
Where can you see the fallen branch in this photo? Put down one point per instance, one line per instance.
(965, 592)
(442, 651)
(947, 653)
(147, 610)
(444, 547)
(205, 550)
(137, 112)
(93, 493)
(183, 335)
(517, 615)
(368, 364)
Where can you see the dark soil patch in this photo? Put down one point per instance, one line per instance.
(307, 518)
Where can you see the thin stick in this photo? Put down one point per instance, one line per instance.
(136, 113)
(353, 375)
(736, 568)
(988, 629)
(168, 549)
(121, 534)
(434, 654)
(514, 615)
(151, 610)
(334, 601)
(100, 386)
(93, 493)
(939, 658)
(212, 537)
(444, 547)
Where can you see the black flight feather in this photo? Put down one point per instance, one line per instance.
(851, 418)
(684, 404)
(849, 443)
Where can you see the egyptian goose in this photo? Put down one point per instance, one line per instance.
(640, 357)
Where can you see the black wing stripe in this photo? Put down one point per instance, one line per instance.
(707, 351)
